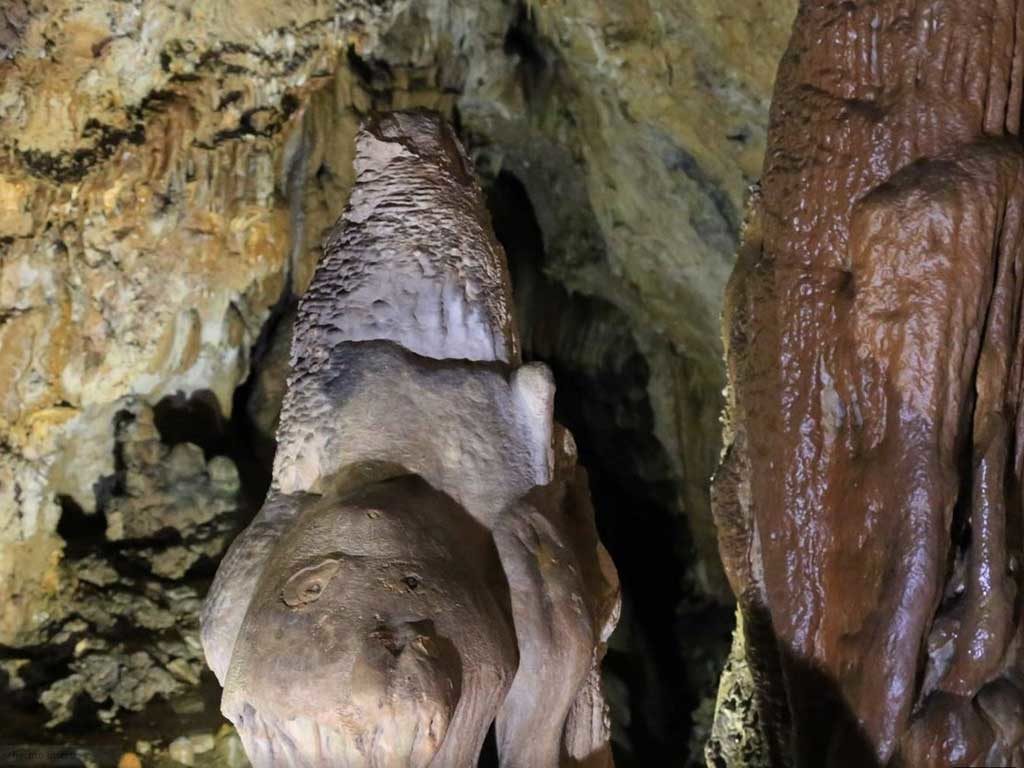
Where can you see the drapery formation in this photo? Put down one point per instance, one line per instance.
(869, 500)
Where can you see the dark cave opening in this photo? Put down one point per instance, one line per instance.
(80, 530)
(672, 641)
(198, 419)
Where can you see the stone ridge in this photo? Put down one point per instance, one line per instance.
(413, 259)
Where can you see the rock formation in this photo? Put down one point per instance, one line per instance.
(168, 171)
(426, 562)
(869, 498)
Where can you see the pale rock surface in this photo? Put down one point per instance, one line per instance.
(428, 544)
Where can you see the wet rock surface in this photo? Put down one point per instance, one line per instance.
(869, 497)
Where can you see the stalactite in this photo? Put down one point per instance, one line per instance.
(426, 562)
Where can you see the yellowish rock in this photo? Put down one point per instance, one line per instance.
(168, 171)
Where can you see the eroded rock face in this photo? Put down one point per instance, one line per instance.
(426, 563)
(146, 228)
(118, 632)
(869, 498)
(162, 659)
(169, 170)
(170, 491)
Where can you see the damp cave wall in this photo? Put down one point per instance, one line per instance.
(167, 174)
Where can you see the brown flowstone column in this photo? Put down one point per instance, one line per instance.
(869, 502)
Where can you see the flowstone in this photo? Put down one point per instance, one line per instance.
(869, 498)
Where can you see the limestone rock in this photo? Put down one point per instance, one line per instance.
(148, 157)
(419, 472)
(123, 681)
(868, 500)
(264, 403)
(182, 751)
(169, 491)
(169, 169)
(12, 669)
(229, 748)
(108, 671)
(636, 128)
(168, 175)
(165, 488)
(737, 739)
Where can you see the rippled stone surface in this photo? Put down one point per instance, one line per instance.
(869, 501)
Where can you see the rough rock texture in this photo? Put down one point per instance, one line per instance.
(121, 633)
(737, 736)
(172, 493)
(170, 168)
(416, 262)
(869, 499)
(635, 129)
(130, 634)
(162, 659)
(147, 225)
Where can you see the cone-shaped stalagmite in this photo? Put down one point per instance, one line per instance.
(426, 563)
(869, 502)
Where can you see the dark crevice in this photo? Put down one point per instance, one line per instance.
(673, 639)
(197, 419)
(82, 532)
(259, 447)
(533, 64)
(489, 754)
(72, 166)
(375, 76)
(369, 72)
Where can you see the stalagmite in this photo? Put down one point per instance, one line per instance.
(869, 502)
(426, 562)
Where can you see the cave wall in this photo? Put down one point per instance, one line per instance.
(169, 168)
(168, 171)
